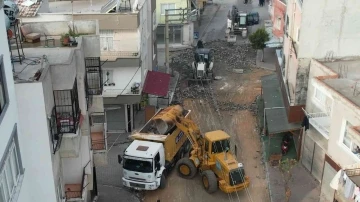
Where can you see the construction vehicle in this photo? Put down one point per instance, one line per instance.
(154, 152)
(203, 64)
(210, 153)
(237, 22)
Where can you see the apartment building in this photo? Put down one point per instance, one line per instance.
(181, 26)
(128, 48)
(14, 184)
(277, 10)
(51, 93)
(331, 140)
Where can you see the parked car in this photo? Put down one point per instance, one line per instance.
(253, 18)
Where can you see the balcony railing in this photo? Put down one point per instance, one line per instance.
(56, 136)
(111, 92)
(67, 110)
(93, 81)
(113, 55)
(321, 122)
(74, 191)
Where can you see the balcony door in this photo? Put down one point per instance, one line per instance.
(115, 117)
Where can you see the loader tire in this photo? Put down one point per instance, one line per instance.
(162, 181)
(186, 168)
(209, 181)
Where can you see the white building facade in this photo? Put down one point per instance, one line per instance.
(333, 111)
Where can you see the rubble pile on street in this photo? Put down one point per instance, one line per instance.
(240, 56)
(229, 57)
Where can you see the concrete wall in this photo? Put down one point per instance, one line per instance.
(113, 21)
(62, 27)
(126, 40)
(188, 34)
(124, 78)
(39, 177)
(91, 45)
(73, 167)
(330, 26)
(9, 118)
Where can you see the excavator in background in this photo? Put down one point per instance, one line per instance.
(238, 22)
(210, 154)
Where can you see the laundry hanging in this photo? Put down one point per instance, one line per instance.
(305, 123)
(349, 189)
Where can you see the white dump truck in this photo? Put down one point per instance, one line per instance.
(155, 150)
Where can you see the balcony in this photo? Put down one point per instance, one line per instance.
(114, 55)
(68, 120)
(93, 81)
(98, 132)
(67, 110)
(78, 192)
(321, 122)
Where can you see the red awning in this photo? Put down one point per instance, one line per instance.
(157, 83)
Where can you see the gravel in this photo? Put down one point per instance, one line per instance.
(240, 56)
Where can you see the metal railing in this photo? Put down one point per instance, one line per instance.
(119, 54)
(110, 92)
(352, 172)
(93, 81)
(67, 109)
(84, 184)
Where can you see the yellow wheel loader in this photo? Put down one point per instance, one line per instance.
(210, 155)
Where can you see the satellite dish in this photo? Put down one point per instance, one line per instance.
(7, 22)
(11, 10)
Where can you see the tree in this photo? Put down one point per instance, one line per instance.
(258, 40)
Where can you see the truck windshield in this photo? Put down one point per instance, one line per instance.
(138, 165)
(242, 20)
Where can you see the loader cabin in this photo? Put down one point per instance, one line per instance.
(217, 142)
(203, 55)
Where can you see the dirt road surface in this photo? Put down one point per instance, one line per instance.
(240, 124)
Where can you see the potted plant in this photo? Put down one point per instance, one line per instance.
(65, 39)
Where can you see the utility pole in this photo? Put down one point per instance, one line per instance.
(167, 41)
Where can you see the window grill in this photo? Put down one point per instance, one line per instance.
(67, 109)
(93, 82)
(55, 136)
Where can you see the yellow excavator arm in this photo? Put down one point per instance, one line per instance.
(186, 125)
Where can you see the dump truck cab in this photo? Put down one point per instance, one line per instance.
(143, 165)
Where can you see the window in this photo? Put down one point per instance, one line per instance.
(107, 40)
(167, 6)
(10, 170)
(278, 23)
(349, 142)
(157, 158)
(3, 94)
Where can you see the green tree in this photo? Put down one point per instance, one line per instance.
(258, 40)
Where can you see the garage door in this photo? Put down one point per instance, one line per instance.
(313, 157)
(115, 117)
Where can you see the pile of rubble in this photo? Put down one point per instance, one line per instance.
(240, 56)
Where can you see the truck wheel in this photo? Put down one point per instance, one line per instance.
(209, 181)
(162, 182)
(186, 168)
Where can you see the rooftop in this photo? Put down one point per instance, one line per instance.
(348, 83)
(27, 10)
(143, 149)
(98, 6)
(36, 60)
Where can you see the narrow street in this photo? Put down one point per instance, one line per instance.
(224, 104)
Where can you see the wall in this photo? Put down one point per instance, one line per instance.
(91, 45)
(330, 26)
(279, 12)
(10, 117)
(59, 28)
(122, 78)
(126, 40)
(73, 167)
(188, 33)
(34, 141)
(106, 21)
